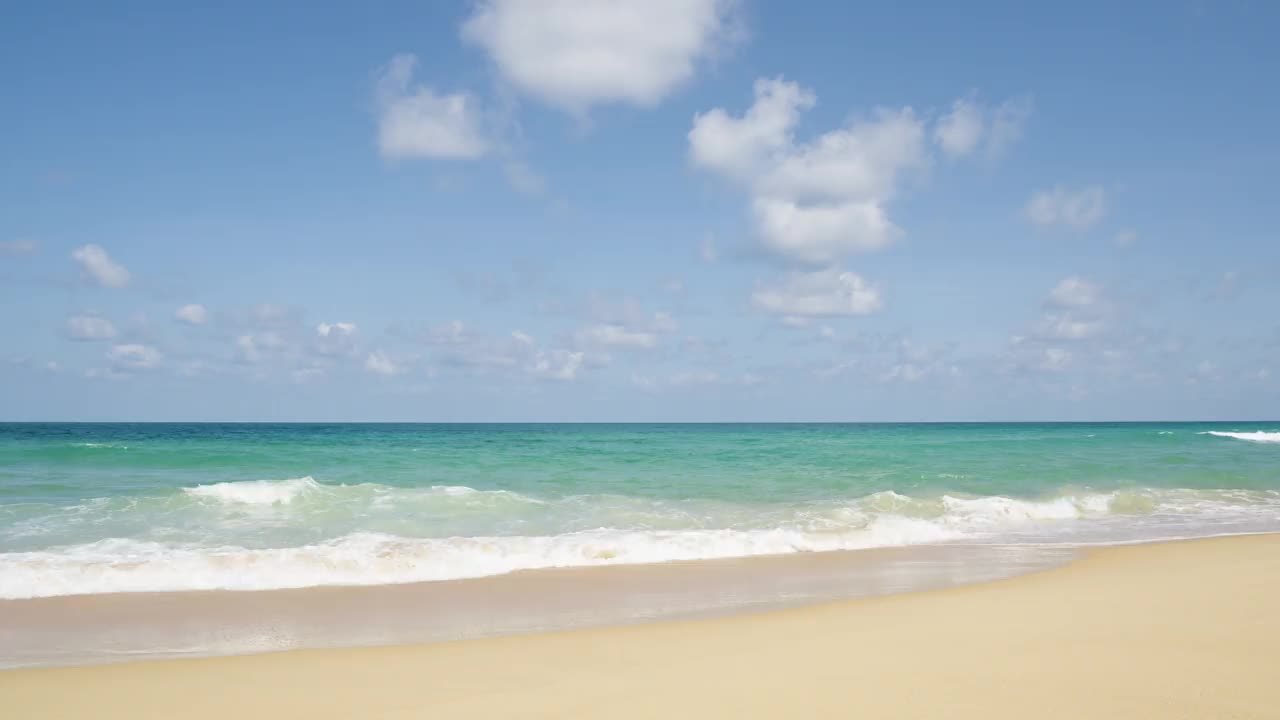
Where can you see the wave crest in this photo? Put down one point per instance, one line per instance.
(1260, 436)
(256, 492)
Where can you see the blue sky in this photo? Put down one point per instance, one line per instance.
(668, 210)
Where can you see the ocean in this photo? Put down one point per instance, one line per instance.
(130, 508)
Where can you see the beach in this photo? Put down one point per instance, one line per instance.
(1167, 630)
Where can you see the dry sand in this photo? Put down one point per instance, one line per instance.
(1178, 630)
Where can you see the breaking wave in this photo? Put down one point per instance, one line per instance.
(1262, 437)
(528, 533)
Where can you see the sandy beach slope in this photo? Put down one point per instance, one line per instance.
(1178, 630)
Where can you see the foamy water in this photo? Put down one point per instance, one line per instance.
(385, 505)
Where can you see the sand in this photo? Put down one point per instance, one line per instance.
(1176, 630)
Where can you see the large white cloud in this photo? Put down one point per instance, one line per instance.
(573, 54)
(1078, 209)
(98, 266)
(90, 327)
(819, 201)
(415, 121)
(825, 293)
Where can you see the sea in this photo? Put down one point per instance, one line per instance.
(113, 509)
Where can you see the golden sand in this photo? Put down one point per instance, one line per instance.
(1178, 630)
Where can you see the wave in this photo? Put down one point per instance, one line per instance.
(285, 492)
(1260, 436)
(256, 492)
(364, 557)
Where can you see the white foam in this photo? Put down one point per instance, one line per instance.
(256, 492)
(1262, 437)
(121, 565)
(361, 557)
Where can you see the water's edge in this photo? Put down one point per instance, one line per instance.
(119, 627)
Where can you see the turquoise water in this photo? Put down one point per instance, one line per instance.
(88, 508)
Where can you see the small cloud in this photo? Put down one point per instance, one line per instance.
(338, 329)
(1074, 292)
(971, 125)
(1125, 238)
(617, 336)
(413, 121)
(193, 314)
(379, 363)
(18, 247)
(824, 293)
(523, 179)
(135, 357)
(1077, 209)
(556, 364)
(90, 327)
(98, 266)
(707, 251)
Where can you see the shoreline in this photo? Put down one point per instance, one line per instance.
(78, 630)
(1181, 628)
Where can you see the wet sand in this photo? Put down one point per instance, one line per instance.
(1183, 630)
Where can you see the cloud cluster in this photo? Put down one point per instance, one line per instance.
(819, 201)
(814, 203)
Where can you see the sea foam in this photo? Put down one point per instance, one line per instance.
(362, 557)
(1260, 436)
(256, 492)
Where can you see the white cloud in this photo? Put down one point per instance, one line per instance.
(250, 348)
(413, 121)
(99, 267)
(824, 293)
(523, 179)
(818, 201)
(556, 364)
(1079, 209)
(18, 247)
(380, 363)
(707, 250)
(822, 233)
(135, 357)
(1125, 238)
(1065, 326)
(617, 336)
(193, 314)
(1074, 292)
(1054, 359)
(959, 131)
(573, 54)
(1006, 123)
(338, 329)
(971, 126)
(247, 349)
(90, 327)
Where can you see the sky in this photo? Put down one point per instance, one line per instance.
(667, 210)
